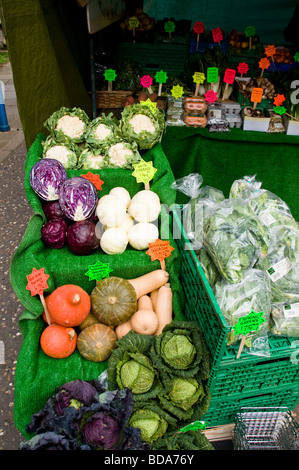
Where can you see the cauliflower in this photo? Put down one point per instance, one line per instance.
(65, 153)
(140, 123)
(68, 125)
(102, 131)
(122, 154)
(91, 159)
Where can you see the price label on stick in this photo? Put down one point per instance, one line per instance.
(246, 324)
(146, 81)
(150, 104)
(98, 271)
(198, 78)
(169, 28)
(264, 64)
(177, 91)
(193, 426)
(256, 95)
(296, 57)
(212, 74)
(37, 283)
(198, 28)
(229, 76)
(249, 33)
(242, 68)
(133, 23)
(270, 51)
(161, 77)
(279, 99)
(159, 250)
(211, 96)
(110, 75)
(94, 179)
(144, 172)
(217, 34)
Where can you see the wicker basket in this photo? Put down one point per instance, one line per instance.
(111, 99)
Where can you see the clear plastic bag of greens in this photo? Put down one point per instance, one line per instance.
(244, 187)
(203, 200)
(252, 293)
(234, 238)
(209, 268)
(284, 319)
(282, 267)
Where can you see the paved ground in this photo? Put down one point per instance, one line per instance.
(15, 213)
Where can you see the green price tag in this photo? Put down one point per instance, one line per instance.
(161, 76)
(296, 57)
(144, 171)
(250, 31)
(110, 75)
(169, 26)
(177, 91)
(279, 109)
(193, 426)
(248, 323)
(199, 77)
(212, 74)
(98, 271)
(133, 22)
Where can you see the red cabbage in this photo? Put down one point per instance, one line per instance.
(101, 430)
(53, 233)
(82, 237)
(78, 198)
(52, 210)
(46, 176)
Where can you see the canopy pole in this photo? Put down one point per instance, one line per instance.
(92, 77)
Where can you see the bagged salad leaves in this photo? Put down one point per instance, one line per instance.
(253, 292)
(234, 238)
(68, 124)
(284, 319)
(142, 125)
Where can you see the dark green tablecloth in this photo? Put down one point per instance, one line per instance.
(223, 157)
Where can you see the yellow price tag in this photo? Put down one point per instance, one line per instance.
(151, 104)
(144, 171)
(177, 91)
(199, 77)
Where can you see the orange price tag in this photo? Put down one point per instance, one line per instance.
(94, 179)
(256, 95)
(159, 250)
(37, 281)
(264, 63)
(270, 51)
(279, 99)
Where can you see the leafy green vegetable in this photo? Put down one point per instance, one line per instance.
(102, 131)
(284, 320)
(234, 238)
(253, 292)
(189, 440)
(151, 424)
(211, 272)
(68, 124)
(181, 350)
(142, 125)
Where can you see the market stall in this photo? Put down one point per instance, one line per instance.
(161, 261)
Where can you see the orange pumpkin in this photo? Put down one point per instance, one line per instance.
(58, 341)
(68, 305)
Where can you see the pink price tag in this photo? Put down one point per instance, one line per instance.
(242, 68)
(217, 34)
(211, 96)
(198, 27)
(146, 81)
(229, 76)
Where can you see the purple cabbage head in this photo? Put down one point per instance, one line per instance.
(78, 198)
(75, 393)
(82, 238)
(101, 431)
(46, 177)
(52, 210)
(53, 233)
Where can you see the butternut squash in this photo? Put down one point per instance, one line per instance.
(153, 296)
(164, 307)
(148, 282)
(144, 322)
(122, 329)
(144, 303)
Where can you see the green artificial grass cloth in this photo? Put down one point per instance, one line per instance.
(221, 158)
(37, 375)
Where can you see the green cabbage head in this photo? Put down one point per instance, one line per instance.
(178, 350)
(151, 425)
(185, 392)
(136, 373)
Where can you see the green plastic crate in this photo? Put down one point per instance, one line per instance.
(230, 377)
(154, 57)
(223, 411)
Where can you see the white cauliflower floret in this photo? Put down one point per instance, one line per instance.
(102, 132)
(140, 123)
(71, 126)
(94, 161)
(58, 152)
(118, 154)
